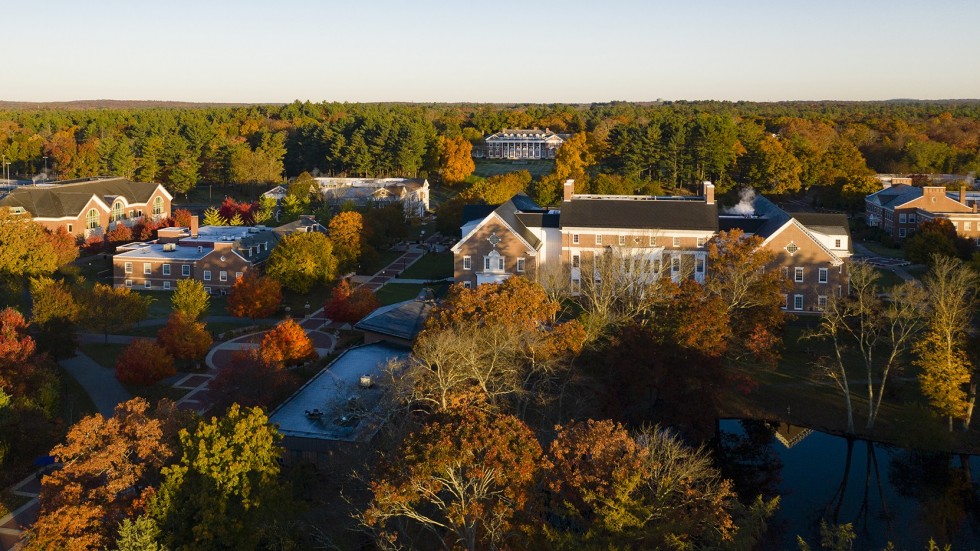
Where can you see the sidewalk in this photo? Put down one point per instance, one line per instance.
(13, 524)
(100, 383)
(897, 270)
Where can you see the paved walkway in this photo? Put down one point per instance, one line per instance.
(13, 524)
(867, 253)
(100, 383)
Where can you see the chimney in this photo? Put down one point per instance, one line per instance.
(963, 194)
(193, 226)
(709, 193)
(569, 190)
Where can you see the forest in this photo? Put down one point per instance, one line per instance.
(617, 147)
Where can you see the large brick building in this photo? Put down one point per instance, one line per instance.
(653, 236)
(899, 209)
(90, 206)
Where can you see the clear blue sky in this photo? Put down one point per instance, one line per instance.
(489, 51)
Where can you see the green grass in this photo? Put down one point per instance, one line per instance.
(157, 392)
(161, 307)
(296, 302)
(379, 262)
(429, 267)
(881, 250)
(887, 279)
(205, 194)
(486, 168)
(399, 292)
(103, 354)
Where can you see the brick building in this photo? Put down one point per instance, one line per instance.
(90, 206)
(898, 210)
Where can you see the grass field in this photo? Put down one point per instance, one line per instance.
(882, 250)
(486, 168)
(887, 279)
(398, 292)
(430, 267)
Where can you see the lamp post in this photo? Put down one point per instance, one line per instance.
(45, 168)
(307, 308)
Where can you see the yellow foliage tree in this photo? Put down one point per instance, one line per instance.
(455, 159)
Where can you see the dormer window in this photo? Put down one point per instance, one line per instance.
(117, 211)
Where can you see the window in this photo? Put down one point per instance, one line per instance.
(185, 270)
(129, 268)
(700, 242)
(158, 205)
(69, 228)
(967, 226)
(911, 219)
(207, 290)
(576, 286)
(836, 243)
(792, 248)
(92, 219)
(207, 275)
(653, 240)
(622, 240)
(166, 269)
(821, 302)
(797, 302)
(222, 276)
(238, 275)
(500, 263)
(117, 211)
(166, 285)
(901, 232)
(467, 263)
(598, 239)
(146, 284)
(520, 264)
(699, 265)
(575, 239)
(902, 219)
(575, 259)
(129, 283)
(785, 271)
(798, 274)
(822, 275)
(785, 302)
(467, 284)
(675, 265)
(147, 268)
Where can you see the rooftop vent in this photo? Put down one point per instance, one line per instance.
(169, 247)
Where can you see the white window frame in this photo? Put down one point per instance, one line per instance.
(147, 284)
(901, 232)
(653, 240)
(797, 302)
(520, 265)
(911, 219)
(675, 265)
(486, 263)
(967, 226)
(166, 285)
(902, 219)
(147, 268)
(185, 270)
(129, 283)
(574, 239)
(699, 265)
(822, 275)
(239, 275)
(577, 260)
(69, 228)
(821, 302)
(676, 242)
(467, 263)
(798, 274)
(166, 269)
(207, 290)
(467, 285)
(222, 276)
(92, 219)
(576, 285)
(598, 239)
(128, 268)
(700, 242)
(207, 275)
(622, 240)
(836, 243)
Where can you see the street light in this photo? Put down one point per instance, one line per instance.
(45, 168)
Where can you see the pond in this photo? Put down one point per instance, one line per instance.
(889, 494)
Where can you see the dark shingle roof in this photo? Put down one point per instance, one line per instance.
(403, 320)
(747, 225)
(896, 195)
(826, 223)
(628, 213)
(476, 212)
(510, 213)
(69, 199)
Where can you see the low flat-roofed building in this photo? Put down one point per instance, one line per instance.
(339, 406)
(398, 323)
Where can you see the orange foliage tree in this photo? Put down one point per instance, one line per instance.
(184, 338)
(287, 344)
(144, 362)
(181, 218)
(455, 159)
(468, 475)
(107, 462)
(254, 296)
(64, 244)
(347, 306)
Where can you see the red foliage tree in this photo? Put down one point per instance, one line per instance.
(254, 296)
(144, 362)
(230, 207)
(16, 346)
(287, 344)
(181, 218)
(65, 245)
(250, 382)
(146, 229)
(94, 244)
(120, 234)
(184, 338)
(350, 306)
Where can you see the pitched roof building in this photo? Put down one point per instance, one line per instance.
(515, 143)
(899, 209)
(90, 206)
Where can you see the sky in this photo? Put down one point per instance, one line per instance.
(502, 51)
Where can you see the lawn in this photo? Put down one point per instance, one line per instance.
(297, 302)
(160, 307)
(379, 262)
(887, 279)
(206, 194)
(486, 168)
(881, 250)
(430, 267)
(399, 292)
(103, 354)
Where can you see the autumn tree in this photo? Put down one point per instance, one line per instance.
(350, 306)
(499, 188)
(951, 291)
(250, 382)
(301, 261)
(184, 338)
(213, 218)
(65, 246)
(119, 234)
(254, 296)
(144, 363)
(935, 237)
(266, 210)
(224, 492)
(880, 333)
(770, 168)
(55, 312)
(190, 299)
(25, 247)
(106, 464)
(286, 344)
(181, 218)
(467, 478)
(455, 159)
(110, 308)
(346, 232)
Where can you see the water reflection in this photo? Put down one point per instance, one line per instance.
(887, 493)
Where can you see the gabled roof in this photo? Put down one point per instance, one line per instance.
(827, 223)
(61, 200)
(513, 213)
(476, 212)
(676, 214)
(895, 195)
